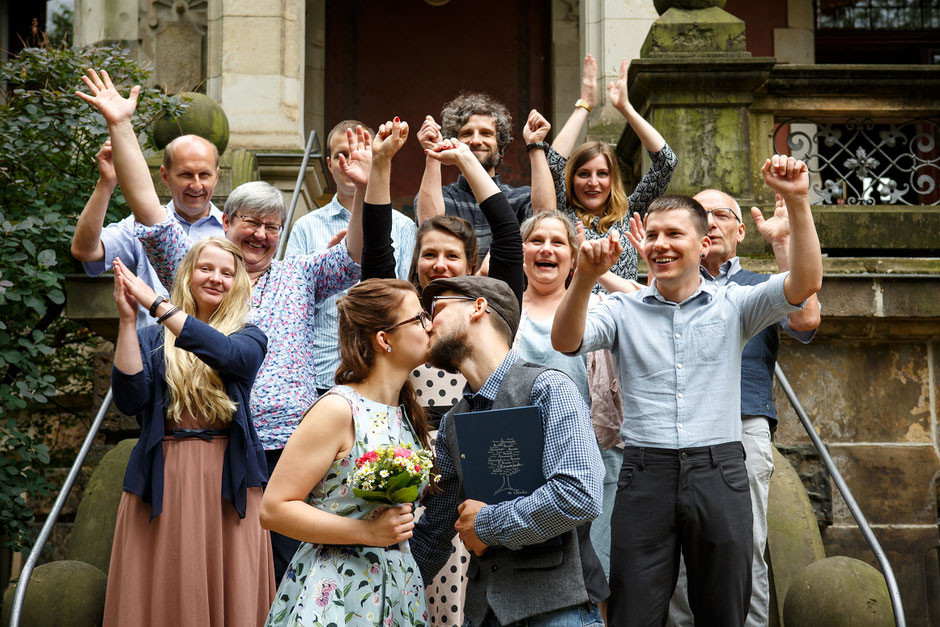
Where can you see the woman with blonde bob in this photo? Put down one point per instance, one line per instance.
(188, 547)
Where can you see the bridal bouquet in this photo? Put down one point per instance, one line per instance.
(393, 475)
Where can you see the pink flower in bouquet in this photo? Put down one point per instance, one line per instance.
(371, 456)
(401, 451)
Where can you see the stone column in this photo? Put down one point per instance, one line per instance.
(254, 70)
(105, 21)
(695, 82)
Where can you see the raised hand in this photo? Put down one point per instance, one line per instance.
(142, 293)
(125, 301)
(589, 80)
(536, 128)
(430, 133)
(637, 234)
(389, 139)
(106, 98)
(787, 176)
(618, 89)
(105, 159)
(776, 229)
(450, 151)
(393, 525)
(596, 256)
(358, 165)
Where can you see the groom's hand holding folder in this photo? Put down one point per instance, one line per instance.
(464, 526)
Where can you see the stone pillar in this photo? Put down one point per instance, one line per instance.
(105, 21)
(611, 30)
(254, 70)
(695, 83)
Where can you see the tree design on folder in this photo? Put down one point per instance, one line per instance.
(504, 461)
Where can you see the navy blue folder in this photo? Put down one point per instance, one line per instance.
(500, 452)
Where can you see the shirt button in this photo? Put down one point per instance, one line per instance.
(677, 336)
(683, 455)
(678, 307)
(680, 425)
(678, 365)
(680, 394)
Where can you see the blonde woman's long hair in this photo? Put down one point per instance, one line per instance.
(195, 387)
(618, 206)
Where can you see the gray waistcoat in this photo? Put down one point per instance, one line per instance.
(534, 579)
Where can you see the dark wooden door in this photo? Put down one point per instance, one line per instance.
(408, 58)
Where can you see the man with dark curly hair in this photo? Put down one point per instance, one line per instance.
(485, 125)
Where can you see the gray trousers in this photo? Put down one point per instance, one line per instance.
(755, 435)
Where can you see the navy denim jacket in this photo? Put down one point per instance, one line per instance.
(236, 358)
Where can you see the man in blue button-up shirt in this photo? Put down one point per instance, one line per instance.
(758, 414)
(322, 228)
(683, 485)
(190, 170)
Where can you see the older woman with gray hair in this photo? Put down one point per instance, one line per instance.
(284, 293)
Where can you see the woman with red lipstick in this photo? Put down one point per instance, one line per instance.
(588, 185)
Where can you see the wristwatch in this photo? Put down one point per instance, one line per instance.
(156, 303)
(583, 104)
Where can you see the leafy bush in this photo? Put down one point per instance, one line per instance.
(48, 141)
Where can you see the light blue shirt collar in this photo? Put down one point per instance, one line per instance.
(214, 215)
(650, 292)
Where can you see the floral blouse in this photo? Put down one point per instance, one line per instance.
(650, 187)
(282, 305)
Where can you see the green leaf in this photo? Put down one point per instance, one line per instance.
(405, 495)
(29, 246)
(46, 258)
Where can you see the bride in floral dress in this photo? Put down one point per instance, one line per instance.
(354, 566)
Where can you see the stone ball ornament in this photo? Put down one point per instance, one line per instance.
(203, 116)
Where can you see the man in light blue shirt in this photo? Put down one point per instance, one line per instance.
(683, 486)
(191, 170)
(324, 227)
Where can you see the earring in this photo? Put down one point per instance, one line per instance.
(703, 255)
(388, 349)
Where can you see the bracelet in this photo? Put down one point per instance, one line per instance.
(540, 145)
(163, 318)
(583, 104)
(156, 303)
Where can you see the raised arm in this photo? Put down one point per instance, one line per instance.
(430, 200)
(567, 137)
(86, 242)
(619, 98)
(357, 168)
(776, 231)
(323, 436)
(454, 152)
(789, 177)
(133, 174)
(378, 259)
(595, 257)
(543, 187)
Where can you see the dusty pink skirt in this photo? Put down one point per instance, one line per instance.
(197, 563)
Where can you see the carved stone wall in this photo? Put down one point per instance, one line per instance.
(173, 38)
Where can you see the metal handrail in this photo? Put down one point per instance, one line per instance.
(23, 580)
(313, 139)
(893, 591)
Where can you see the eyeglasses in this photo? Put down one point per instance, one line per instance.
(435, 300)
(422, 317)
(254, 225)
(723, 214)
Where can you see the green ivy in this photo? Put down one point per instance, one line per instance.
(48, 141)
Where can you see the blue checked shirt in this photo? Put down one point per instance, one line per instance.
(680, 363)
(459, 201)
(119, 240)
(310, 235)
(572, 493)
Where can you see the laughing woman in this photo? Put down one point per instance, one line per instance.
(188, 548)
